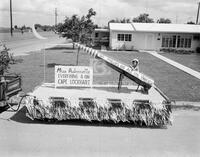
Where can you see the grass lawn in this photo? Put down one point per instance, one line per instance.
(189, 60)
(176, 84)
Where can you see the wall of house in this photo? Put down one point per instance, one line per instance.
(194, 43)
(120, 45)
(146, 41)
(101, 39)
(140, 40)
(101, 35)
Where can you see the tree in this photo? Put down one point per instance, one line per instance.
(23, 27)
(123, 20)
(5, 59)
(15, 27)
(163, 20)
(38, 26)
(143, 18)
(79, 29)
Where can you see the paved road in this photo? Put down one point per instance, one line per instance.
(23, 137)
(22, 44)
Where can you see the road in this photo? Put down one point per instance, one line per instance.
(21, 44)
(23, 137)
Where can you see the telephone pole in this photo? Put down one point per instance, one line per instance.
(11, 27)
(56, 15)
(197, 20)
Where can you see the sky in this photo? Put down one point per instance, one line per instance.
(29, 12)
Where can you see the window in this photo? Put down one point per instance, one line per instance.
(124, 37)
(188, 42)
(184, 42)
(127, 37)
(96, 35)
(174, 41)
(120, 37)
(169, 41)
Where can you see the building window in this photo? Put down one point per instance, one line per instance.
(169, 41)
(174, 41)
(120, 37)
(96, 35)
(124, 37)
(184, 42)
(127, 37)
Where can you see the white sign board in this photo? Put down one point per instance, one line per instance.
(73, 76)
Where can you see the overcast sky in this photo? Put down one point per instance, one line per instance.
(42, 11)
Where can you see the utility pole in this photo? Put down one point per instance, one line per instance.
(11, 27)
(197, 20)
(56, 15)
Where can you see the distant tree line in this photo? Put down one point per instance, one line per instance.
(37, 26)
(44, 27)
(21, 28)
(143, 18)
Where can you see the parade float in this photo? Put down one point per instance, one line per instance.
(73, 96)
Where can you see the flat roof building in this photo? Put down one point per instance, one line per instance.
(153, 36)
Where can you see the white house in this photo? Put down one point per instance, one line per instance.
(153, 36)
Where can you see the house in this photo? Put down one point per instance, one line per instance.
(101, 37)
(153, 36)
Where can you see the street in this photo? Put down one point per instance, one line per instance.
(22, 44)
(21, 136)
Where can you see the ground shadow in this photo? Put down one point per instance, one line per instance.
(60, 48)
(3, 108)
(52, 65)
(68, 52)
(21, 117)
(186, 107)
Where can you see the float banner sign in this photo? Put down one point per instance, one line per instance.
(73, 76)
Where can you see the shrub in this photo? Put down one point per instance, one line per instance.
(5, 59)
(198, 49)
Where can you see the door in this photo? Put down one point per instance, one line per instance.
(149, 42)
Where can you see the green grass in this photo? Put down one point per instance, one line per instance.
(176, 84)
(189, 60)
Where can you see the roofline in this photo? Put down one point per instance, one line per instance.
(101, 29)
(134, 31)
(133, 26)
(168, 32)
(156, 31)
(117, 30)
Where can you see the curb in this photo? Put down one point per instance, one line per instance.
(186, 105)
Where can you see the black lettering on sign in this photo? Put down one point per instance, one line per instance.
(86, 76)
(79, 82)
(59, 70)
(62, 81)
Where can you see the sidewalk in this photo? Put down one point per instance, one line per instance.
(175, 64)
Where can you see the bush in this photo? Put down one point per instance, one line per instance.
(178, 51)
(198, 49)
(5, 59)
